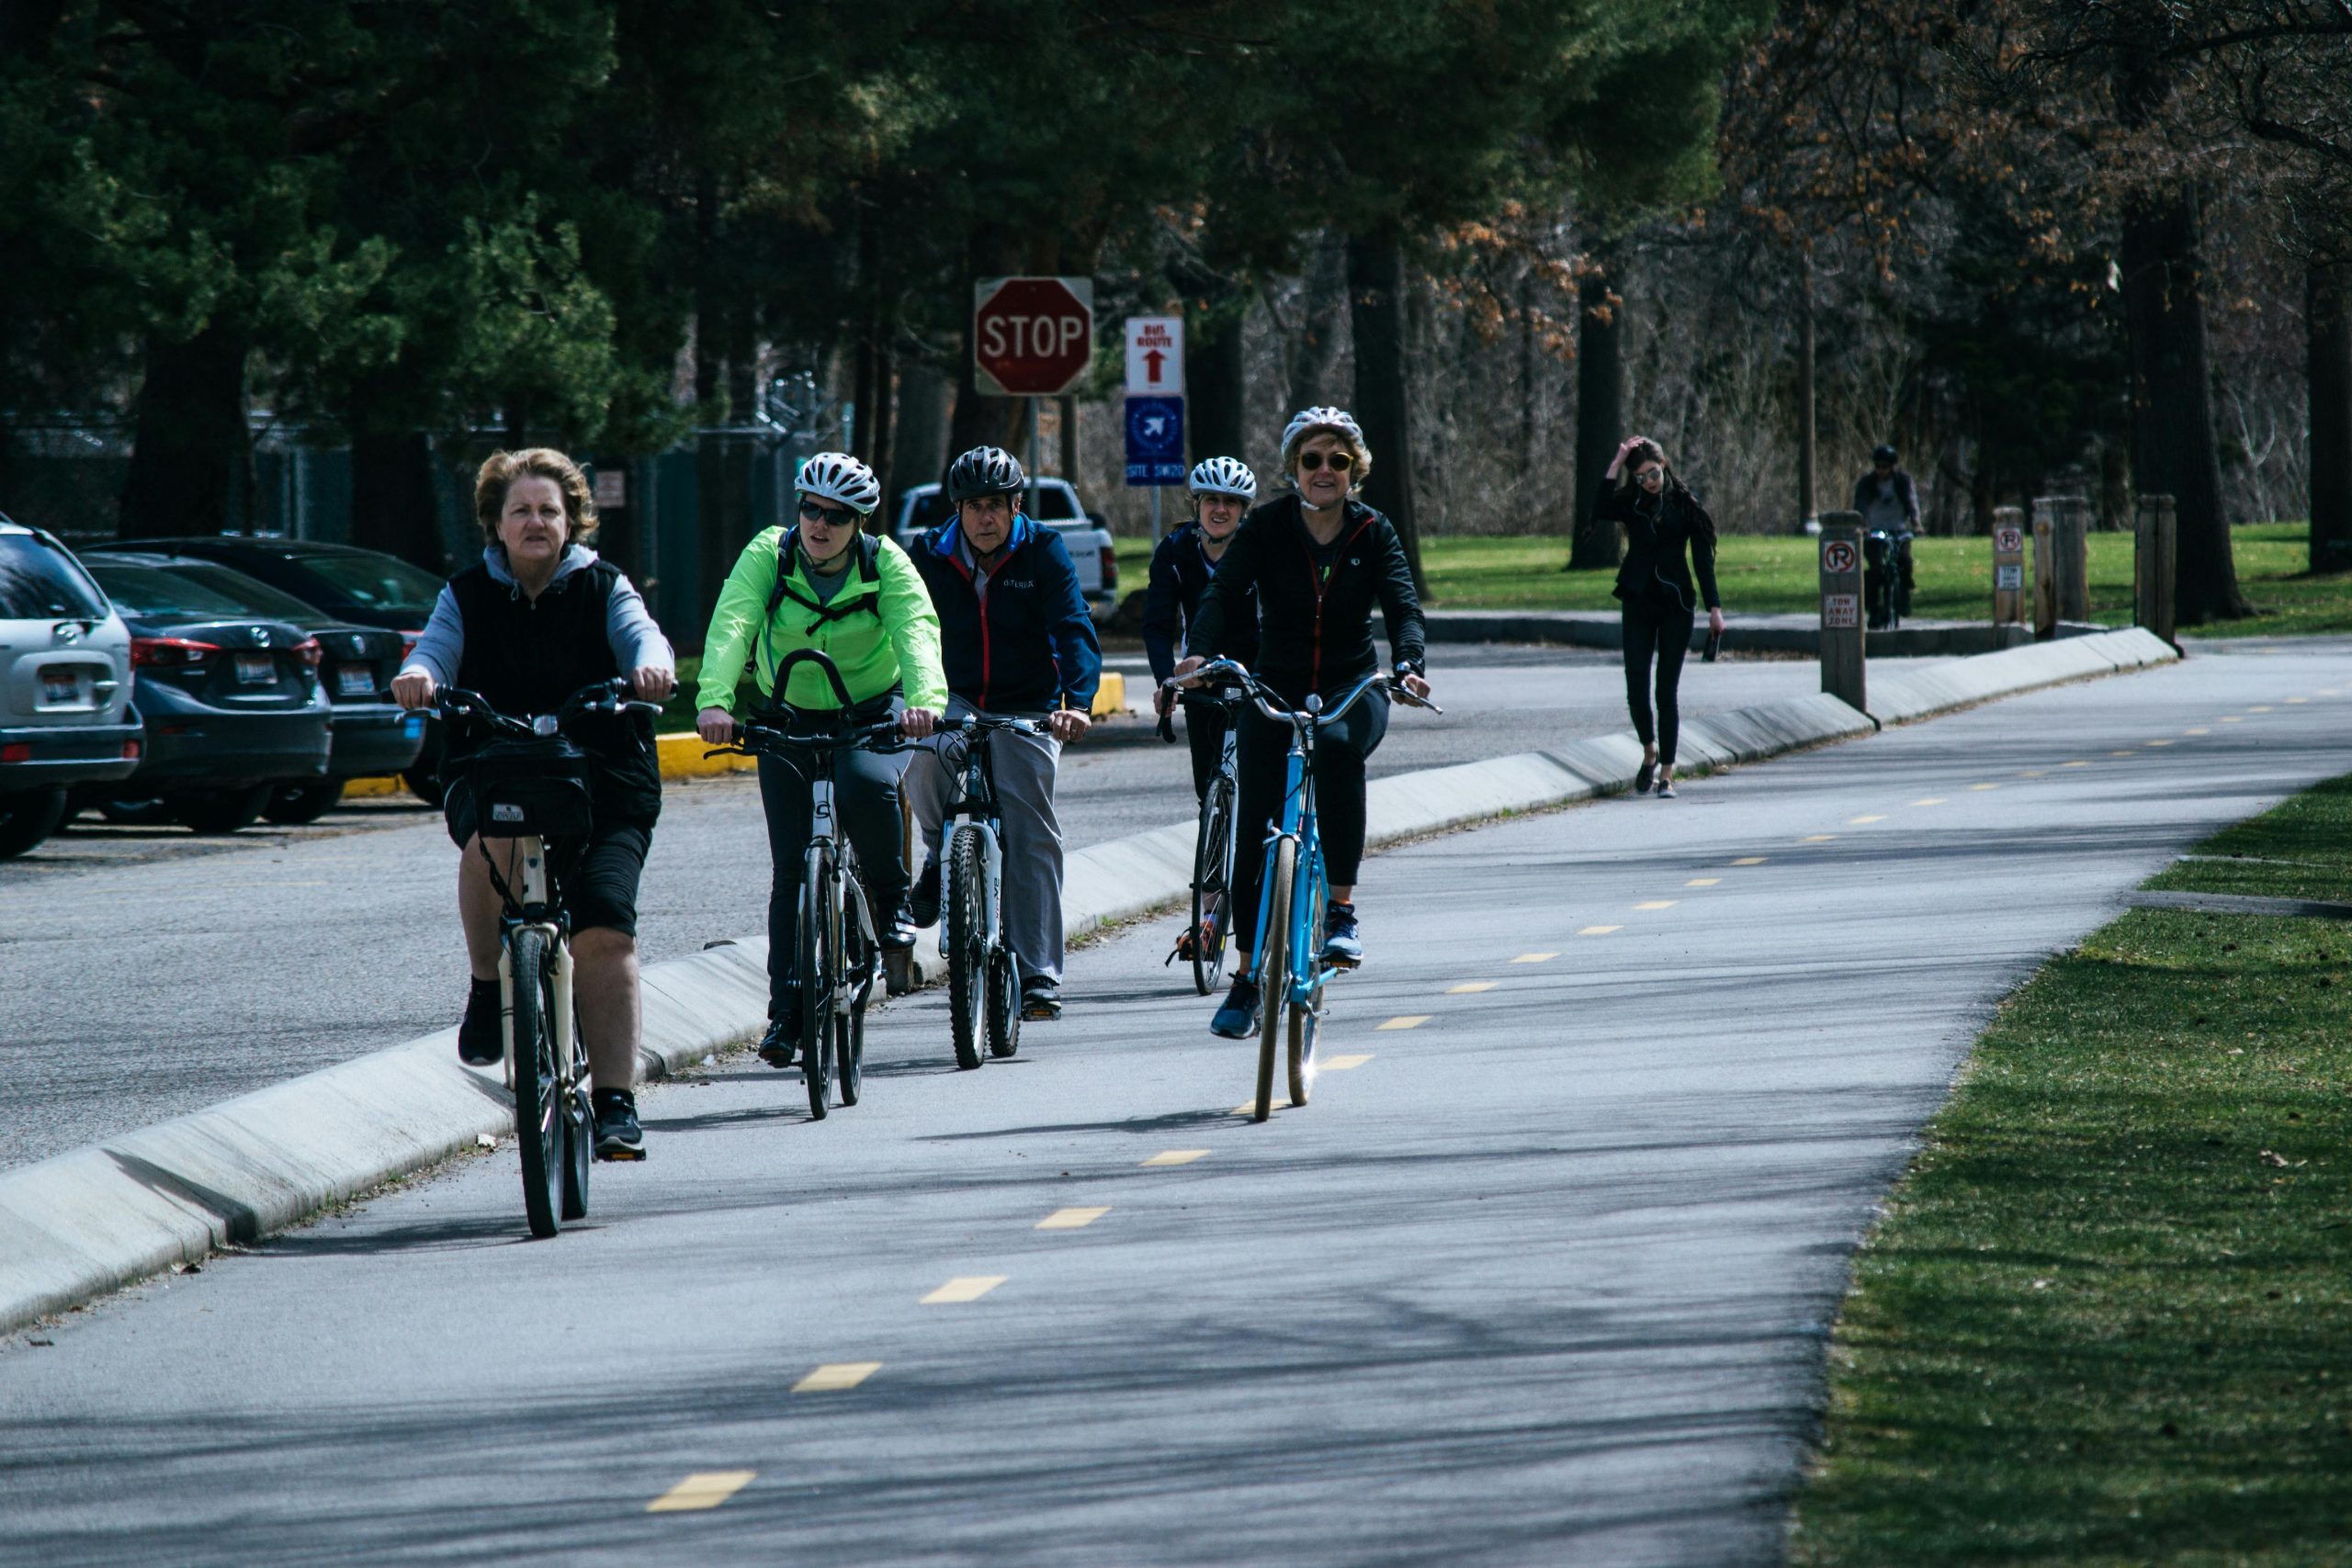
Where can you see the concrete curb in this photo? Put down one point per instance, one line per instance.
(79, 1224)
(1745, 634)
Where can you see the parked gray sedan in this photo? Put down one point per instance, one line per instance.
(66, 714)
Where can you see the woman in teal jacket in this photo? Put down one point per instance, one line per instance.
(830, 585)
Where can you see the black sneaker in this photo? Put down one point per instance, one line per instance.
(1041, 998)
(617, 1134)
(897, 933)
(922, 899)
(481, 1039)
(1237, 1018)
(781, 1040)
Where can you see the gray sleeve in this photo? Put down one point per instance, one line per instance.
(442, 645)
(629, 627)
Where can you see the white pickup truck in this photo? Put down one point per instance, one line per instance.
(1052, 504)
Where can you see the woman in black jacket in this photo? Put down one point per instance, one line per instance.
(1303, 572)
(1662, 521)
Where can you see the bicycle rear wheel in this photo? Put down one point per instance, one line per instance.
(539, 1090)
(817, 981)
(968, 956)
(1273, 971)
(1212, 876)
(857, 978)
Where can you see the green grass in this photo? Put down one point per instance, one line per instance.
(2107, 1317)
(1763, 576)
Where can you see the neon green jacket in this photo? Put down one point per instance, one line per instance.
(879, 628)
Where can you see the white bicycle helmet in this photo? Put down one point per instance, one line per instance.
(1321, 418)
(1223, 476)
(837, 475)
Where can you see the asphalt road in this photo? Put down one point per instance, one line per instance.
(1541, 1277)
(149, 972)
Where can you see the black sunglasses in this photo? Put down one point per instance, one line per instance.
(1340, 461)
(830, 516)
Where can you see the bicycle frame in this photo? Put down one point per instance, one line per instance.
(533, 906)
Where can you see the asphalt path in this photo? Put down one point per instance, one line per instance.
(149, 972)
(1542, 1276)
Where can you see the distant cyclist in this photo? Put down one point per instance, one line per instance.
(536, 619)
(1301, 580)
(829, 584)
(1668, 535)
(1889, 504)
(1017, 642)
(1181, 566)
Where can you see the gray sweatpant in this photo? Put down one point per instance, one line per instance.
(1023, 767)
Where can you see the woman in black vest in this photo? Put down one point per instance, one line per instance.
(1300, 581)
(538, 617)
(1662, 522)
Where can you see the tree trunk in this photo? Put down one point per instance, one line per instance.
(919, 447)
(886, 412)
(1593, 545)
(1808, 428)
(2328, 351)
(1215, 382)
(1315, 353)
(394, 507)
(2172, 451)
(192, 464)
(724, 378)
(1527, 390)
(1384, 403)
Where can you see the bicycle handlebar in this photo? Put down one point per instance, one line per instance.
(980, 721)
(457, 704)
(753, 738)
(1267, 698)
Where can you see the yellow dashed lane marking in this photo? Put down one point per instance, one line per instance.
(1859, 821)
(2330, 692)
(1816, 837)
(1984, 786)
(1655, 904)
(1406, 1021)
(1078, 1219)
(2155, 742)
(2075, 764)
(1341, 1064)
(836, 1375)
(2263, 707)
(704, 1489)
(1468, 987)
(2127, 752)
(2233, 718)
(2035, 774)
(1534, 957)
(1703, 881)
(2200, 729)
(1749, 860)
(1599, 930)
(2294, 701)
(963, 1288)
(1931, 800)
(1182, 1156)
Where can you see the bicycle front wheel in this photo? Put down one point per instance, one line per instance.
(857, 982)
(967, 954)
(1300, 1031)
(1273, 971)
(540, 1088)
(1212, 878)
(817, 974)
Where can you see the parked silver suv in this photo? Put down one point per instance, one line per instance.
(66, 714)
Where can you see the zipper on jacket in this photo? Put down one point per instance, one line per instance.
(1315, 574)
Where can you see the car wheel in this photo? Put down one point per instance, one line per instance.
(424, 784)
(135, 813)
(293, 805)
(220, 811)
(28, 817)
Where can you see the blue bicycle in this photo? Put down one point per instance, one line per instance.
(1293, 889)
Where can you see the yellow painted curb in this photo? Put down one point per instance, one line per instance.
(682, 755)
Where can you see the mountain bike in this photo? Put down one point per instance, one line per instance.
(530, 788)
(1290, 971)
(1886, 576)
(1205, 942)
(983, 980)
(839, 956)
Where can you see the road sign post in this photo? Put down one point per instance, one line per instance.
(2009, 566)
(2154, 560)
(1841, 607)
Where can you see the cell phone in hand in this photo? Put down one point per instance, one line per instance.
(1714, 646)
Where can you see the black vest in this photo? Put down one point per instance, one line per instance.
(526, 656)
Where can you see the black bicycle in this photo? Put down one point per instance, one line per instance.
(983, 980)
(1886, 576)
(530, 788)
(1206, 940)
(839, 956)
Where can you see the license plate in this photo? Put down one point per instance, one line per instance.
(59, 686)
(354, 680)
(257, 669)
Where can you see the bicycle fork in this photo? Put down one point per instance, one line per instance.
(532, 893)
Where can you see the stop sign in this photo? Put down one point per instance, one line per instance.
(1031, 337)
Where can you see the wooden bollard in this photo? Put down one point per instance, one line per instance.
(2009, 566)
(2155, 559)
(1841, 607)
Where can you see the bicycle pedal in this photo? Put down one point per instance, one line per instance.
(621, 1156)
(1343, 963)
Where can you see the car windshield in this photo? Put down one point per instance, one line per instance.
(252, 596)
(378, 582)
(38, 581)
(153, 593)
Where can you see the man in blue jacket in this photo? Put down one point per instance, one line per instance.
(1016, 641)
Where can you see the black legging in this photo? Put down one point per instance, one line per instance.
(1205, 733)
(1261, 759)
(1655, 623)
(865, 806)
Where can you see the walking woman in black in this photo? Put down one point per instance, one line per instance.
(1300, 581)
(1664, 524)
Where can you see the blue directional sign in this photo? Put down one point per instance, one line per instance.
(1154, 441)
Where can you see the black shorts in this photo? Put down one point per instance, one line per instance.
(598, 877)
